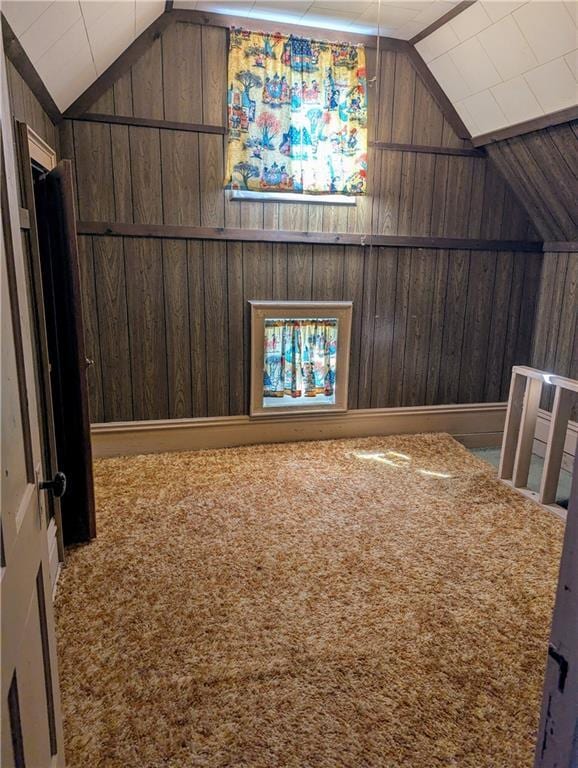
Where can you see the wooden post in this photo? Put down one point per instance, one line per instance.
(563, 401)
(527, 432)
(512, 425)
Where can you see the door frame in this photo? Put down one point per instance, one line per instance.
(31, 147)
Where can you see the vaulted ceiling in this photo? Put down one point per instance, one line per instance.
(500, 62)
(71, 43)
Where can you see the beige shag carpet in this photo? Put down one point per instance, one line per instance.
(371, 603)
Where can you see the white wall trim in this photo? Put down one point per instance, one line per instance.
(475, 425)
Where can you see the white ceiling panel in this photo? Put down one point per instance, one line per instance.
(22, 15)
(520, 66)
(396, 18)
(71, 42)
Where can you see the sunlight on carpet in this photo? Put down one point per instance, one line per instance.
(370, 603)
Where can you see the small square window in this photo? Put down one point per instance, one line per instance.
(299, 356)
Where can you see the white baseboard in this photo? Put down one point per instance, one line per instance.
(542, 427)
(475, 425)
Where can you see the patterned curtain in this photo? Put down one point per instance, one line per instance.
(300, 357)
(297, 113)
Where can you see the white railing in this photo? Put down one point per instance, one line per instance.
(520, 427)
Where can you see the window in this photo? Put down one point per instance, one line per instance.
(290, 197)
(297, 115)
(299, 356)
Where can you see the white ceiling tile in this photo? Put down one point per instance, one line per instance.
(507, 48)
(475, 65)
(572, 8)
(548, 29)
(469, 22)
(466, 116)
(46, 30)
(571, 60)
(424, 50)
(516, 100)
(92, 10)
(449, 77)
(442, 40)
(388, 15)
(111, 34)
(70, 53)
(236, 7)
(279, 11)
(497, 9)
(357, 7)
(21, 15)
(147, 11)
(553, 85)
(485, 111)
(409, 30)
(73, 47)
(64, 92)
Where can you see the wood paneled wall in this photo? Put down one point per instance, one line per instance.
(167, 321)
(542, 168)
(27, 108)
(152, 175)
(555, 344)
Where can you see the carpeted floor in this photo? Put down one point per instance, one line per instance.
(372, 603)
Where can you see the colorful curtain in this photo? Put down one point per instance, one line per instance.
(300, 357)
(297, 114)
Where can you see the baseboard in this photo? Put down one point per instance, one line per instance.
(542, 427)
(475, 425)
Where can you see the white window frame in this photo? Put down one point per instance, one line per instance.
(262, 310)
(292, 197)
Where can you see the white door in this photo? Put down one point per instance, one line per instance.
(31, 719)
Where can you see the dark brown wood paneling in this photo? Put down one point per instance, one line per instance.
(216, 328)
(180, 178)
(429, 326)
(176, 310)
(383, 323)
(94, 174)
(112, 307)
(453, 329)
(146, 316)
(122, 174)
(197, 327)
(555, 342)
(91, 328)
(477, 321)
(180, 78)
(238, 398)
(182, 86)
(145, 162)
(353, 291)
(541, 167)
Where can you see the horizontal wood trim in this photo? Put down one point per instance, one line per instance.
(24, 218)
(570, 246)
(148, 122)
(176, 232)
(120, 65)
(263, 25)
(473, 424)
(438, 94)
(171, 125)
(426, 149)
(19, 58)
(535, 124)
(451, 14)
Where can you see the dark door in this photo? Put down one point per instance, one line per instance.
(56, 223)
